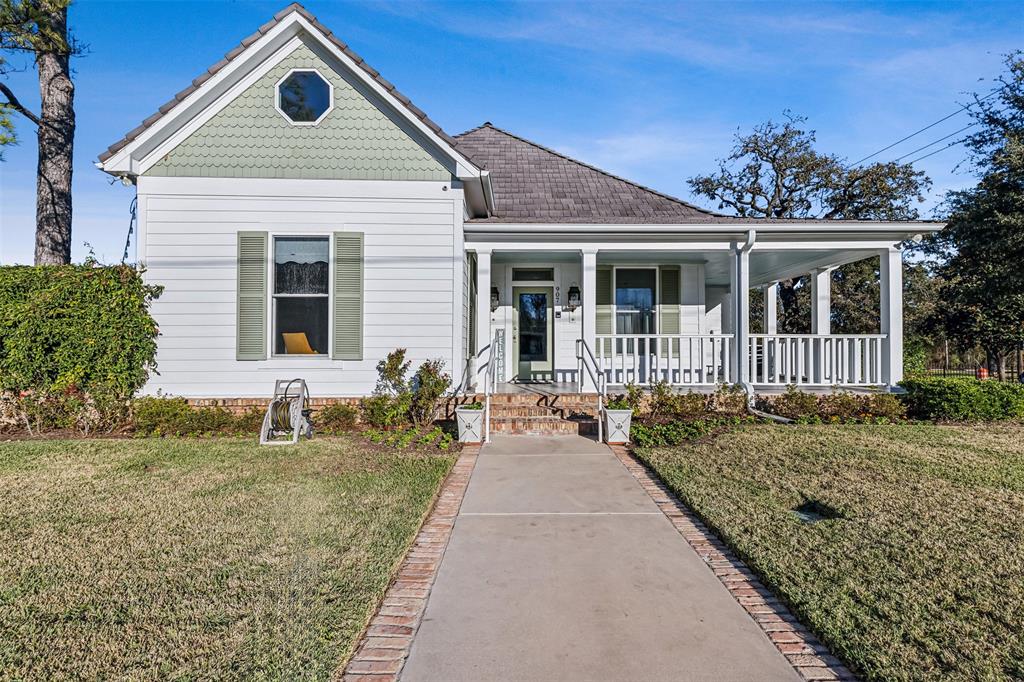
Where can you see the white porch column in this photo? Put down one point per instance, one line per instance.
(821, 322)
(771, 308)
(891, 284)
(589, 309)
(821, 301)
(483, 313)
(739, 282)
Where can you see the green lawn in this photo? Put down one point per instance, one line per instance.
(923, 579)
(198, 559)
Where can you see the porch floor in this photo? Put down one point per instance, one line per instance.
(550, 388)
(537, 388)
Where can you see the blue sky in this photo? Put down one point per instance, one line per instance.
(651, 91)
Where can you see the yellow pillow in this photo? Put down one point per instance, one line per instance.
(297, 344)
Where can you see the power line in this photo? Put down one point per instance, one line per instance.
(955, 132)
(940, 149)
(928, 127)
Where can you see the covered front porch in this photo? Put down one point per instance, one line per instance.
(644, 308)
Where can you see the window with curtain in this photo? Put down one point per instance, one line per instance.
(300, 305)
(635, 301)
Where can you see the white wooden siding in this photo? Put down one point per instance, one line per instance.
(411, 280)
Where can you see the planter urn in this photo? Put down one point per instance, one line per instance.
(617, 424)
(471, 424)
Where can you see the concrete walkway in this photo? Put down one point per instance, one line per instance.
(560, 567)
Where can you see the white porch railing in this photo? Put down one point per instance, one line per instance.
(679, 359)
(816, 359)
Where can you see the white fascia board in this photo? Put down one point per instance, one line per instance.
(154, 156)
(128, 158)
(475, 244)
(896, 231)
(297, 188)
(216, 93)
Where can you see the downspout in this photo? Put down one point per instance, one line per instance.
(745, 248)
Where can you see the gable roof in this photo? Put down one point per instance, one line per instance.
(534, 184)
(294, 8)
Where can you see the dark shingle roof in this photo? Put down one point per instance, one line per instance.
(533, 184)
(277, 18)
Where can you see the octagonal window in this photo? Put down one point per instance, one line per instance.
(304, 97)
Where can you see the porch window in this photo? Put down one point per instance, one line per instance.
(300, 305)
(635, 296)
(533, 274)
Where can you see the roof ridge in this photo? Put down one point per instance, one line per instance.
(292, 8)
(488, 124)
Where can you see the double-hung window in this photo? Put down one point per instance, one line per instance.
(636, 292)
(301, 299)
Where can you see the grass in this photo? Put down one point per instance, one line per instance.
(924, 577)
(143, 559)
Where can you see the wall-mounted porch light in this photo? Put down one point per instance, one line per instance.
(495, 298)
(573, 298)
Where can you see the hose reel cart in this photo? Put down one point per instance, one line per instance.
(287, 416)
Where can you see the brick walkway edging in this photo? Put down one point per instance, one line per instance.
(385, 644)
(809, 657)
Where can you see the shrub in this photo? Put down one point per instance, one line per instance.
(840, 407)
(76, 342)
(663, 404)
(671, 433)
(41, 411)
(728, 400)
(396, 401)
(963, 399)
(337, 417)
(392, 372)
(428, 388)
(793, 404)
(386, 411)
(158, 416)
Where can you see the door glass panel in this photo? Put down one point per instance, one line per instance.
(533, 327)
(634, 301)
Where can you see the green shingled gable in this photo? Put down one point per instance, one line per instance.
(250, 139)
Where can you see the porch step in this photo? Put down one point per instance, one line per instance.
(562, 411)
(543, 426)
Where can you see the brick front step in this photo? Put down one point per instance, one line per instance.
(561, 400)
(523, 411)
(540, 425)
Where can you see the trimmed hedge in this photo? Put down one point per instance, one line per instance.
(840, 407)
(75, 338)
(962, 399)
(157, 416)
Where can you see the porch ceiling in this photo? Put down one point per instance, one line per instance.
(765, 266)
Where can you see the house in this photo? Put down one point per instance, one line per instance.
(306, 218)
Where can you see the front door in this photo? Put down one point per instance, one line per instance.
(532, 332)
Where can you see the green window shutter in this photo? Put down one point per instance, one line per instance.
(603, 300)
(348, 296)
(252, 296)
(668, 309)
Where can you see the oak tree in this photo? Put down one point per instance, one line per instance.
(775, 172)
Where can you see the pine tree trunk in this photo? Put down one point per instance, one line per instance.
(56, 144)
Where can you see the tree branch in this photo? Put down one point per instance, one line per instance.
(13, 102)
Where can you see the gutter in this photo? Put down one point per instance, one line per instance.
(831, 227)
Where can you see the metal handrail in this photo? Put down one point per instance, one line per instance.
(497, 352)
(596, 376)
